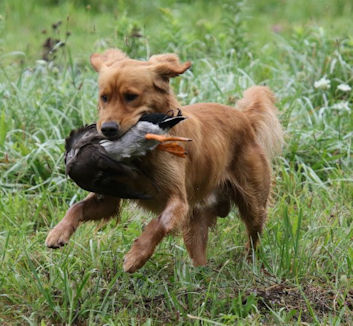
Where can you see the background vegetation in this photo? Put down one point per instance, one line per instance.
(303, 272)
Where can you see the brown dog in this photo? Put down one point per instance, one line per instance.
(228, 162)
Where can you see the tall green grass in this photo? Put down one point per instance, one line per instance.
(303, 270)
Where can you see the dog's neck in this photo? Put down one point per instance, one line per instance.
(171, 102)
(164, 100)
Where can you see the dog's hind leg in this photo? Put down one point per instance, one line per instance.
(254, 217)
(204, 216)
(251, 191)
(195, 234)
(93, 207)
(172, 218)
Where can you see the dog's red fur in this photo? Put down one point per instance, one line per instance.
(228, 162)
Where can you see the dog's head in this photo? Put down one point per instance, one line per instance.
(129, 88)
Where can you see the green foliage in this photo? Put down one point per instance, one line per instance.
(303, 269)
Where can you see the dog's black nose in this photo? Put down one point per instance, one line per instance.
(110, 129)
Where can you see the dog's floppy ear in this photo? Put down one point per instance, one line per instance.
(168, 65)
(107, 58)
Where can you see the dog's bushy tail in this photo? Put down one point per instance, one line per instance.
(258, 104)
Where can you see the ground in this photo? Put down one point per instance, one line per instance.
(303, 271)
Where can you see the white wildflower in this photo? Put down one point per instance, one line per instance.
(182, 95)
(323, 83)
(344, 88)
(341, 106)
(41, 63)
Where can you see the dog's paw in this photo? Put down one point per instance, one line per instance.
(59, 236)
(136, 258)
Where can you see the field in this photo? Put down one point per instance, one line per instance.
(303, 271)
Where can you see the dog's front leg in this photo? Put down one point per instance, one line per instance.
(171, 218)
(93, 207)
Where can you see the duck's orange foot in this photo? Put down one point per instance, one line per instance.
(172, 148)
(166, 138)
(168, 144)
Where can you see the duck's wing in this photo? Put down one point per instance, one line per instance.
(154, 118)
(170, 122)
(92, 170)
(164, 121)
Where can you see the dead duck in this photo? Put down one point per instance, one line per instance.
(105, 166)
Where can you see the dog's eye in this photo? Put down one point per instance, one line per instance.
(129, 97)
(104, 98)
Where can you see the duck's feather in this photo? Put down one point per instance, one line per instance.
(164, 121)
(133, 143)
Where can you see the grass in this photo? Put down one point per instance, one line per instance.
(303, 270)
